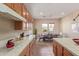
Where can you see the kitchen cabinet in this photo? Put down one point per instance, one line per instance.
(60, 50)
(28, 51)
(57, 49)
(9, 5)
(66, 53)
(17, 7)
(54, 48)
(21, 10)
(24, 12)
(30, 18)
(25, 51)
(31, 46)
(20, 25)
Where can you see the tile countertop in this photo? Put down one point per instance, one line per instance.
(68, 44)
(18, 48)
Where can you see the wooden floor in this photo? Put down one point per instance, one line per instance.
(43, 49)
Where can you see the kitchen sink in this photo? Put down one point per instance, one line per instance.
(76, 41)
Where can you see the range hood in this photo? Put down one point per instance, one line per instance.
(8, 13)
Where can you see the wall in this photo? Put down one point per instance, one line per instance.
(6, 25)
(66, 24)
(39, 22)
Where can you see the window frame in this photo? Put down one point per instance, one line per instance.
(48, 29)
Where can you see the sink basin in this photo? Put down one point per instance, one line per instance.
(76, 41)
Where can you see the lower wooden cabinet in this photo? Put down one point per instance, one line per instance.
(58, 50)
(27, 51)
(66, 53)
(55, 48)
(31, 46)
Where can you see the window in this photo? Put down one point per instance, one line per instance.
(48, 27)
(44, 27)
(75, 27)
(51, 27)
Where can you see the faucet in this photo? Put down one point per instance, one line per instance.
(22, 35)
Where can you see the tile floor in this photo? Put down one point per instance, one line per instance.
(43, 49)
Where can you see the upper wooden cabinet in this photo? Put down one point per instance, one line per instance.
(18, 25)
(18, 8)
(24, 12)
(21, 9)
(9, 5)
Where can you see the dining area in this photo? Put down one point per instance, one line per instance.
(47, 37)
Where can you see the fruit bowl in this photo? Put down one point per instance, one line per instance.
(10, 44)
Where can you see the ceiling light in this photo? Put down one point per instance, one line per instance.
(24, 13)
(41, 13)
(62, 13)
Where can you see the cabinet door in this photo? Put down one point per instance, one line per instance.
(23, 11)
(31, 47)
(28, 51)
(9, 5)
(18, 8)
(18, 25)
(66, 53)
(59, 50)
(54, 48)
(25, 51)
(29, 17)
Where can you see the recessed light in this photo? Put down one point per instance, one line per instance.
(41, 13)
(24, 13)
(62, 13)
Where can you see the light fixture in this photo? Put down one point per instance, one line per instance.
(76, 17)
(24, 13)
(62, 13)
(41, 13)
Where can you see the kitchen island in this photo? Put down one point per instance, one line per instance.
(65, 47)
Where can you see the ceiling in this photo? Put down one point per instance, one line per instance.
(51, 10)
